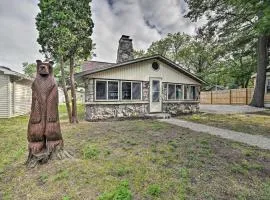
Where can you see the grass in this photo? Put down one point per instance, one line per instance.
(253, 123)
(135, 159)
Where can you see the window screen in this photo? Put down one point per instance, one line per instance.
(171, 91)
(136, 91)
(179, 92)
(112, 90)
(126, 90)
(101, 90)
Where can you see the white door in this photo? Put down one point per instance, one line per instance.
(155, 95)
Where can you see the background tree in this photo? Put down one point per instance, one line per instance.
(65, 29)
(238, 22)
(29, 69)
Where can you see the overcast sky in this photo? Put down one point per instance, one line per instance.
(144, 20)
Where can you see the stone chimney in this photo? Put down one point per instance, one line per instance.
(125, 49)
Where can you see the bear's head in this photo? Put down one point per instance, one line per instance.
(44, 69)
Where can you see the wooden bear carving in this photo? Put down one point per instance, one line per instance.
(44, 133)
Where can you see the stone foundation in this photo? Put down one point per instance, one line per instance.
(105, 111)
(180, 108)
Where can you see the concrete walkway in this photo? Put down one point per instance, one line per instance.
(254, 140)
(228, 109)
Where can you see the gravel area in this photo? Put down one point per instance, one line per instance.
(254, 140)
(228, 109)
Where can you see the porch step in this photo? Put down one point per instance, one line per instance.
(159, 115)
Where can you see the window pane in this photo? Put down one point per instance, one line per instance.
(171, 91)
(101, 90)
(156, 86)
(126, 90)
(192, 92)
(112, 90)
(186, 88)
(179, 92)
(136, 90)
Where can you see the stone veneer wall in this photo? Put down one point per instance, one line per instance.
(105, 111)
(180, 108)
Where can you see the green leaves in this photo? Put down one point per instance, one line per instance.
(65, 28)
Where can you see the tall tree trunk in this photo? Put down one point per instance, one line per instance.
(262, 61)
(64, 86)
(74, 117)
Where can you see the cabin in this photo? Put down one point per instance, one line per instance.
(267, 87)
(15, 93)
(137, 87)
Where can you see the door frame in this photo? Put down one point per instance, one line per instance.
(150, 93)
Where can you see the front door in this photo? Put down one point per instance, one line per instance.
(155, 95)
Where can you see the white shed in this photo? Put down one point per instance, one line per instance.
(15, 93)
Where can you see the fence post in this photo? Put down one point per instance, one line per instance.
(247, 96)
(230, 97)
(211, 97)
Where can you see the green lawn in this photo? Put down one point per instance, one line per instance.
(133, 159)
(253, 123)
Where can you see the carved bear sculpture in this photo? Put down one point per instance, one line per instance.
(44, 133)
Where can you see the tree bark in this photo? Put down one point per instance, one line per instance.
(63, 81)
(74, 117)
(262, 61)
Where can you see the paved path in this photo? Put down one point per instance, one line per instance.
(254, 140)
(229, 109)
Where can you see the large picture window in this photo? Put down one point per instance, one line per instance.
(107, 90)
(131, 90)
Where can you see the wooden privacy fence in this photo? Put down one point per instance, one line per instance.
(234, 96)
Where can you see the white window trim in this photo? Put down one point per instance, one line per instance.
(175, 84)
(107, 91)
(129, 100)
(119, 91)
(188, 94)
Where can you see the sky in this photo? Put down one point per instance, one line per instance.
(145, 21)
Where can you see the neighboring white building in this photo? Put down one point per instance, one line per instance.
(136, 87)
(15, 93)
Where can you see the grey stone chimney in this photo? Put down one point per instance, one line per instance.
(125, 49)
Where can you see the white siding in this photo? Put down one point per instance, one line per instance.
(22, 98)
(11, 99)
(143, 71)
(4, 97)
